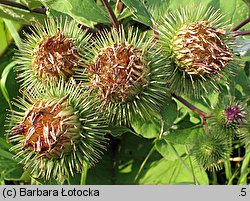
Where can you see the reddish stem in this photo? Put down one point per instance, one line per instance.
(241, 33)
(202, 114)
(241, 24)
(111, 15)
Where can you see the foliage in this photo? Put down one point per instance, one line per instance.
(156, 150)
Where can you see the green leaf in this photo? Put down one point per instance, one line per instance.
(87, 12)
(103, 172)
(129, 157)
(4, 37)
(14, 173)
(8, 29)
(6, 154)
(19, 15)
(148, 128)
(235, 11)
(3, 80)
(118, 131)
(172, 172)
(139, 11)
(122, 161)
(167, 152)
(175, 4)
(32, 4)
(169, 113)
(184, 136)
(13, 30)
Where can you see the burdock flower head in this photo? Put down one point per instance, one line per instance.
(50, 52)
(126, 72)
(197, 43)
(229, 115)
(58, 132)
(211, 149)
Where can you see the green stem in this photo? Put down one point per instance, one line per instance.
(245, 168)
(191, 165)
(181, 160)
(228, 169)
(236, 172)
(214, 180)
(144, 162)
(84, 173)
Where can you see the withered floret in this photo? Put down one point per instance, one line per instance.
(55, 56)
(199, 49)
(118, 72)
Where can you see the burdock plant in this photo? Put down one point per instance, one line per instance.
(199, 47)
(51, 52)
(126, 72)
(229, 116)
(57, 133)
(211, 150)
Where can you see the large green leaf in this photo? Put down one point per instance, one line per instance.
(122, 161)
(169, 113)
(11, 87)
(5, 37)
(167, 152)
(139, 11)
(235, 11)
(19, 15)
(173, 172)
(7, 28)
(148, 128)
(184, 136)
(87, 12)
(32, 4)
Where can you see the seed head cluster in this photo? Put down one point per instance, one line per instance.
(55, 56)
(118, 72)
(44, 128)
(199, 49)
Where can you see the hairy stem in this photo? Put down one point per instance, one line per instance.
(241, 24)
(111, 15)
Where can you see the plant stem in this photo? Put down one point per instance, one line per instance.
(241, 33)
(182, 161)
(144, 162)
(191, 165)
(111, 15)
(241, 24)
(228, 169)
(202, 114)
(84, 174)
(244, 172)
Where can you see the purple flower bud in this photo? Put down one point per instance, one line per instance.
(235, 113)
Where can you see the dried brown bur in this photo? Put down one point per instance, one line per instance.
(199, 49)
(55, 56)
(44, 128)
(117, 72)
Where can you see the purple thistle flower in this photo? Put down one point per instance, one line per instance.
(235, 113)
